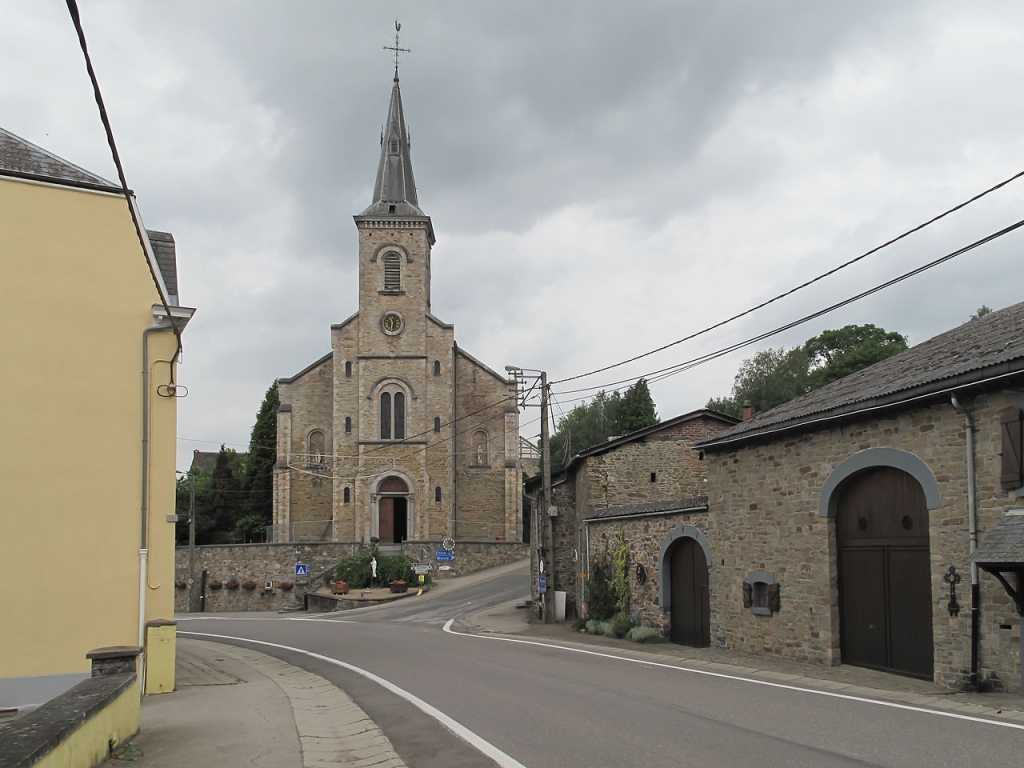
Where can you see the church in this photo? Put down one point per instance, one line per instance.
(397, 434)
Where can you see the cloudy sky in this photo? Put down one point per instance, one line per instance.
(604, 177)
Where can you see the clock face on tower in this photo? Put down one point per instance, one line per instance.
(392, 323)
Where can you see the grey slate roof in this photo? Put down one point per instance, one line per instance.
(204, 460)
(395, 186)
(23, 159)
(1004, 544)
(166, 259)
(632, 437)
(977, 350)
(696, 504)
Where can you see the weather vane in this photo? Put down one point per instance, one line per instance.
(395, 48)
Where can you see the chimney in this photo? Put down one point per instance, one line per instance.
(748, 411)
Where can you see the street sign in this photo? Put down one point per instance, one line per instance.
(301, 571)
(542, 584)
(444, 554)
(421, 568)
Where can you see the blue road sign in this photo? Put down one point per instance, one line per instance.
(444, 554)
(542, 584)
(301, 571)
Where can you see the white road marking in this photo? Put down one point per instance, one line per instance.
(738, 678)
(485, 747)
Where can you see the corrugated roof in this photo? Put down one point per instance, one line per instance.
(696, 504)
(972, 352)
(21, 158)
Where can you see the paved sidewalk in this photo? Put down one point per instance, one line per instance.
(237, 707)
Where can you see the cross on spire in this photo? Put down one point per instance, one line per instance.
(395, 48)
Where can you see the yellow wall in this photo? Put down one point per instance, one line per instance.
(76, 295)
(91, 744)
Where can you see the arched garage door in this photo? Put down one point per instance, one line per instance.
(885, 600)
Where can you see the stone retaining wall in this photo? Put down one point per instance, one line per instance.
(261, 563)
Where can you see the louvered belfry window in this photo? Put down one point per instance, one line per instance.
(392, 272)
(1011, 432)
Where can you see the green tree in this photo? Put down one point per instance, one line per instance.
(982, 311)
(770, 378)
(223, 505)
(834, 354)
(636, 411)
(585, 426)
(725, 405)
(258, 483)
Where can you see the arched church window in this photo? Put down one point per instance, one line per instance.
(348, 424)
(479, 457)
(437, 423)
(392, 414)
(392, 272)
(437, 495)
(317, 446)
(437, 367)
(348, 369)
(346, 496)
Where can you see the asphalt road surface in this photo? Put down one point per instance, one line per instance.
(450, 699)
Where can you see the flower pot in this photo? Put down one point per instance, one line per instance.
(399, 586)
(339, 588)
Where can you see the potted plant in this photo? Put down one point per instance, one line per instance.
(214, 584)
(339, 587)
(398, 585)
(249, 585)
(286, 585)
(179, 584)
(232, 584)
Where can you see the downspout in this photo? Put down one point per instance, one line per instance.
(144, 507)
(454, 447)
(972, 527)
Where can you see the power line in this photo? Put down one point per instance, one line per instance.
(791, 291)
(664, 373)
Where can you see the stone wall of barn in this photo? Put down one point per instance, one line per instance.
(764, 501)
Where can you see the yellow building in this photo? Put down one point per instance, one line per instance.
(87, 452)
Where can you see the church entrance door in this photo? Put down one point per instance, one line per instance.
(393, 511)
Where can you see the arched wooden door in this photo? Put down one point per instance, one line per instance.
(691, 608)
(393, 511)
(885, 597)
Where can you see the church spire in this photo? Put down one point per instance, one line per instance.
(394, 192)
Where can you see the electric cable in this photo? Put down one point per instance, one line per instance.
(810, 282)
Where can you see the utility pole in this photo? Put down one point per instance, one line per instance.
(548, 548)
(191, 542)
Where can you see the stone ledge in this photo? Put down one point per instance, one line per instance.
(29, 738)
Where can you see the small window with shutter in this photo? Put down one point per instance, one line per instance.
(761, 593)
(1011, 429)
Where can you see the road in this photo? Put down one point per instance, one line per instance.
(531, 702)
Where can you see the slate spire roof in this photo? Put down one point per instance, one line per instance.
(394, 193)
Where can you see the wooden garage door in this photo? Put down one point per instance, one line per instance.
(885, 601)
(691, 608)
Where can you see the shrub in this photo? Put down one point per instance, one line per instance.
(593, 627)
(606, 628)
(621, 626)
(394, 568)
(356, 569)
(180, 584)
(600, 600)
(644, 635)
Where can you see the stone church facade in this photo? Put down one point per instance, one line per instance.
(398, 433)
